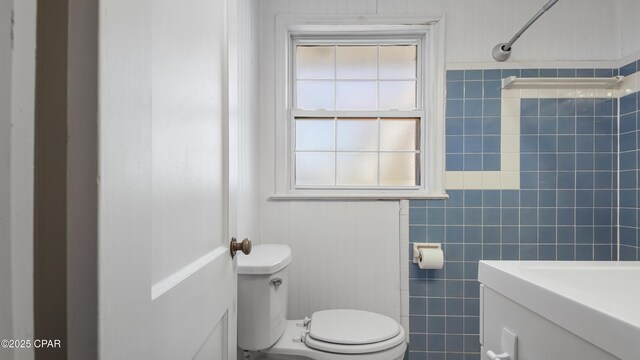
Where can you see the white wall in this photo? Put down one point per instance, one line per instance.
(6, 321)
(17, 74)
(628, 12)
(249, 125)
(573, 30)
(22, 113)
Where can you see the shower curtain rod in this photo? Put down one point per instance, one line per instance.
(502, 51)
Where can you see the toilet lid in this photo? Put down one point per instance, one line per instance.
(352, 327)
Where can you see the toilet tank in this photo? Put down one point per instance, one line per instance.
(263, 278)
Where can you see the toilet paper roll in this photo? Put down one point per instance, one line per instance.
(431, 259)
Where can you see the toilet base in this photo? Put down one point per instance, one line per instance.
(288, 349)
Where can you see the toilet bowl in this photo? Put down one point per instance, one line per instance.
(338, 334)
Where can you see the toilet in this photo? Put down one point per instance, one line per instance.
(340, 334)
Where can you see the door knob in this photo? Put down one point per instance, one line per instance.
(244, 246)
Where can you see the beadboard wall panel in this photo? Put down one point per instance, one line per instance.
(345, 254)
(629, 27)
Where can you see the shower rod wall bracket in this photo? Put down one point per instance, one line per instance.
(501, 52)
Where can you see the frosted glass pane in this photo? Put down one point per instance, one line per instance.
(357, 134)
(397, 169)
(357, 62)
(315, 134)
(315, 95)
(315, 169)
(315, 62)
(397, 95)
(398, 62)
(357, 169)
(356, 95)
(399, 134)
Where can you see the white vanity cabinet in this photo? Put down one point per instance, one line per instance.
(537, 337)
(559, 310)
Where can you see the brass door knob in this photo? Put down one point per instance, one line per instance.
(244, 246)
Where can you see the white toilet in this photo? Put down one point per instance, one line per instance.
(265, 333)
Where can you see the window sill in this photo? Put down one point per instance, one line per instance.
(399, 195)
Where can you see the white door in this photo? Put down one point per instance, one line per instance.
(167, 283)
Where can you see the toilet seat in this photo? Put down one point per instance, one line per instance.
(354, 349)
(290, 344)
(352, 327)
(352, 332)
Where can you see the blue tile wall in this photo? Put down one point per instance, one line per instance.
(473, 113)
(565, 208)
(473, 120)
(629, 171)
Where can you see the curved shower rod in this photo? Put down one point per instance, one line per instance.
(502, 51)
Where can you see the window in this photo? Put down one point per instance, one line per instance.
(357, 114)
(362, 117)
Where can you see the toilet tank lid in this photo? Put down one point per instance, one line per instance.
(264, 259)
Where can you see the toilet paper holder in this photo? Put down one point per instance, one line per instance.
(418, 246)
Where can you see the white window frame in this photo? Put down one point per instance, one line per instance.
(430, 31)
